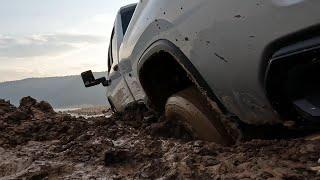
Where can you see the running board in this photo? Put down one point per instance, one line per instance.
(307, 110)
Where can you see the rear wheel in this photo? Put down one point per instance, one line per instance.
(190, 108)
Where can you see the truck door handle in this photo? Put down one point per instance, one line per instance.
(116, 68)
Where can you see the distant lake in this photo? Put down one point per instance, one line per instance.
(65, 109)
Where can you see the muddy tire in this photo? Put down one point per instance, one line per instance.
(190, 109)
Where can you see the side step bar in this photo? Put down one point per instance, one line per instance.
(307, 110)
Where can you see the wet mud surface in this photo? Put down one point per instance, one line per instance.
(37, 143)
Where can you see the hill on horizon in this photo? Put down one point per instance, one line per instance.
(60, 92)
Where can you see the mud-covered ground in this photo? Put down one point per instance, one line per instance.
(37, 143)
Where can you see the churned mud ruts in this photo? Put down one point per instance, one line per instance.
(37, 143)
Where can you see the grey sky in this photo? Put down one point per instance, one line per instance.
(54, 37)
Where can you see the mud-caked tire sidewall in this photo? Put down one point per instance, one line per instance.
(190, 108)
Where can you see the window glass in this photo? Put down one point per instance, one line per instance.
(114, 47)
(126, 16)
(110, 58)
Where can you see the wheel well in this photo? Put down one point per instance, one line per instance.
(292, 78)
(289, 70)
(162, 76)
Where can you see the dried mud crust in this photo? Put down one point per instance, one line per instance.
(37, 143)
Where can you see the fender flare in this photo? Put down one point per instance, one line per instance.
(168, 47)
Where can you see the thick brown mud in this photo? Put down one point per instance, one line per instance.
(37, 143)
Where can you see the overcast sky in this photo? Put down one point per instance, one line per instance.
(41, 38)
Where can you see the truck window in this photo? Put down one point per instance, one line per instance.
(114, 47)
(126, 16)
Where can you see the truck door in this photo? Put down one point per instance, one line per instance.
(118, 92)
(125, 63)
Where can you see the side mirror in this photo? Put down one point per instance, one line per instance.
(89, 80)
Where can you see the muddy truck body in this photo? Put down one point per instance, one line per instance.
(207, 63)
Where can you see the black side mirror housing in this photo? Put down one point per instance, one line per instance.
(89, 80)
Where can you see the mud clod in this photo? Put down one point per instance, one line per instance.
(37, 143)
(27, 102)
(220, 57)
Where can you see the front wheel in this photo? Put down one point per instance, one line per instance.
(190, 108)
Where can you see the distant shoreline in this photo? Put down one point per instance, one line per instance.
(65, 109)
(61, 92)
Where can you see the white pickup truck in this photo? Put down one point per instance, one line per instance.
(212, 63)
